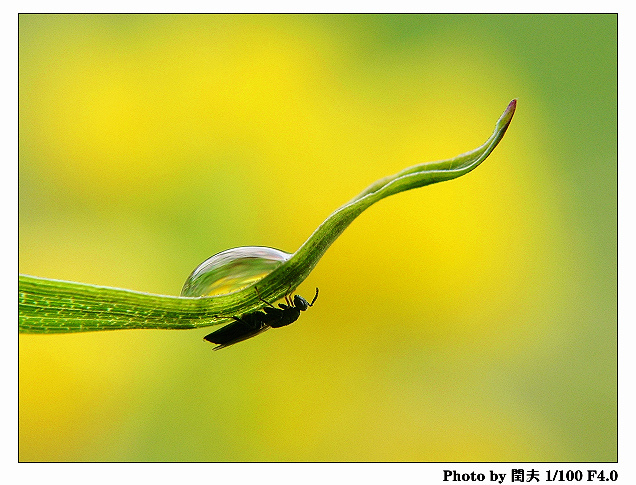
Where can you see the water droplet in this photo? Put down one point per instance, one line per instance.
(232, 270)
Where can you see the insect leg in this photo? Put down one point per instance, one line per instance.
(264, 301)
(288, 297)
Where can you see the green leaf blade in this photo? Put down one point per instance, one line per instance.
(53, 306)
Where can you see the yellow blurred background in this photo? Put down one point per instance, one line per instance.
(473, 320)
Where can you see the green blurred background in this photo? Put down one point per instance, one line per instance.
(470, 320)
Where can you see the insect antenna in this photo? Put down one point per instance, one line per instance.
(315, 296)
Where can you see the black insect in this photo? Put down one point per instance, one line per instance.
(251, 324)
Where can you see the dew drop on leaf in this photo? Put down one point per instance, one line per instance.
(233, 269)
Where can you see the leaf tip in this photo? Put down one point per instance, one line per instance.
(506, 117)
(512, 106)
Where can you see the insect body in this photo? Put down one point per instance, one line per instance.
(251, 324)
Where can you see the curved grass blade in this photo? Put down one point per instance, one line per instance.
(53, 306)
